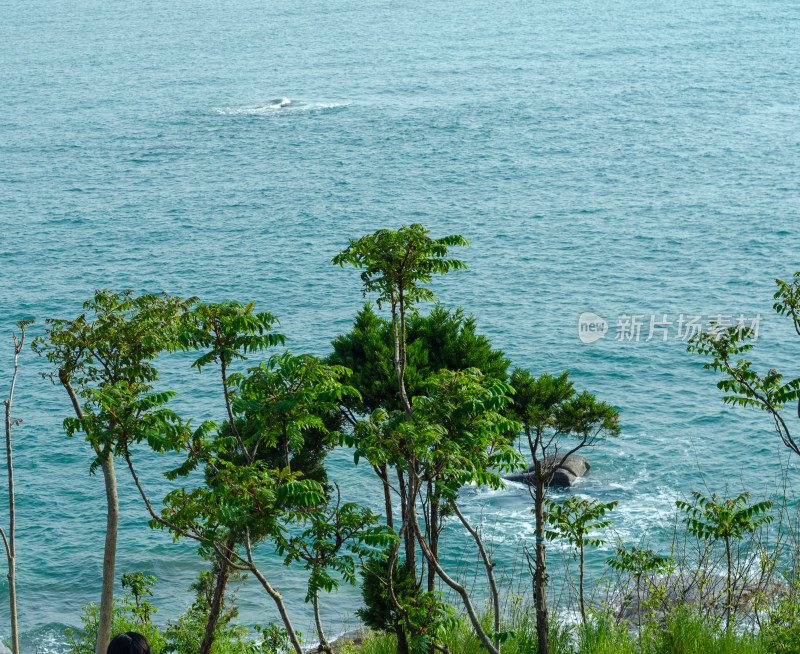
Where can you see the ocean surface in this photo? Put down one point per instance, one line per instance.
(620, 158)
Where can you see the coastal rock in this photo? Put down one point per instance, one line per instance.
(352, 638)
(707, 592)
(567, 470)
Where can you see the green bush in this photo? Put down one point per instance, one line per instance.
(133, 612)
(781, 632)
(124, 619)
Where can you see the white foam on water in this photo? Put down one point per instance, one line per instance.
(277, 106)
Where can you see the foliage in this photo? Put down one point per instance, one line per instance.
(107, 354)
(379, 612)
(574, 519)
(288, 396)
(442, 339)
(128, 615)
(549, 409)
(461, 434)
(397, 265)
(715, 517)
(536, 399)
(781, 631)
(742, 384)
(426, 619)
(637, 561)
(140, 585)
(335, 540)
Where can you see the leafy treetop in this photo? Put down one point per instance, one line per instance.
(396, 264)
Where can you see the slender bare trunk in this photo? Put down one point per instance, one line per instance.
(729, 597)
(408, 538)
(433, 535)
(109, 553)
(540, 574)
(112, 524)
(458, 588)
(489, 566)
(276, 597)
(387, 494)
(11, 542)
(217, 600)
(580, 588)
(411, 514)
(324, 645)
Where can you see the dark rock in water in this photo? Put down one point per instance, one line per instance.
(567, 470)
(348, 639)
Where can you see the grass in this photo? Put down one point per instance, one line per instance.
(684, 632)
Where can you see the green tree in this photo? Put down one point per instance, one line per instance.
(337, 539)
(574, 520)
(717, 518)
(462, 436)
(396, 266)
(104, 360)
(556, 422)
(444, 339)
(246, 501)
(742, 384)
(228, 332)
(457, 435)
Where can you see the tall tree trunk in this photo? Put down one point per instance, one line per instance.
(729, 593)
(278, 599)
(10, 543)
(402, 641)
(217, 600)
(489, 567)
(434, 537)
(324, 645)
(112, 524)
(408, 538)
(580, 589)
(383, 474)
(109, 554)
(540, 574)
(411, 513)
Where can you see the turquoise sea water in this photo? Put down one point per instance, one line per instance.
(619, 157)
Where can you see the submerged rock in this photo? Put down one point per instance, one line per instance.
(566, 471)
